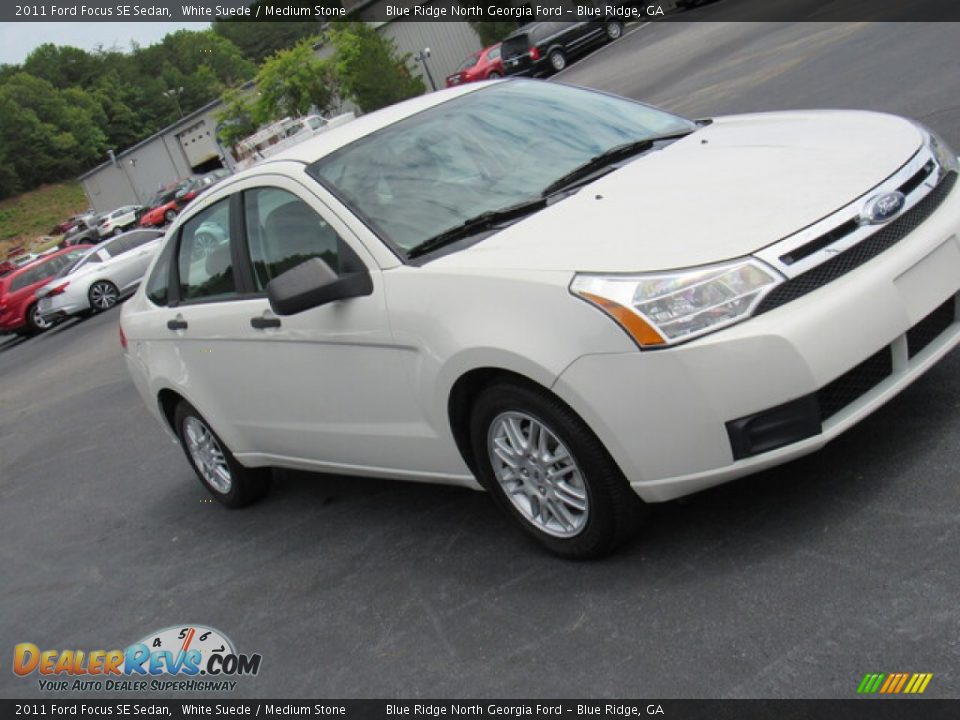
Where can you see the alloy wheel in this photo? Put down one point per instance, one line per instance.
(207, 455)
(103, 296)
(538, 474)
(38, 320)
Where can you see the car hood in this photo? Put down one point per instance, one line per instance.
(729, 189)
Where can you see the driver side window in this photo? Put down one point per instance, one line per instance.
(283, 231)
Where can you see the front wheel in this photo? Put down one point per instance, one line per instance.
(558, 61)
(218, 470)
(614, 30)
(170, 215)
(547, 469)
(493, 75)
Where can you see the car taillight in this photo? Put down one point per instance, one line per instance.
(123, 338)
(534, 53)
(58, 290)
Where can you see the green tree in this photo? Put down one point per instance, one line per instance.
(292, 81)
(46, 135)
(258, 40)
(236, 120)
(370, 72)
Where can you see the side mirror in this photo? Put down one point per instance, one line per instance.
(313, 283)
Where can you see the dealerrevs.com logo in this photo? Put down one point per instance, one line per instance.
(178, 658)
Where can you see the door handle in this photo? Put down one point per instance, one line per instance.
(178, 323)
(262, 323)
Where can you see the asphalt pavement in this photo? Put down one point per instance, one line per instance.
(792, 583)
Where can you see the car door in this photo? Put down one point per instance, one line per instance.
(324, 387)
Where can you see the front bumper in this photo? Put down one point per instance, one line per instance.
(665, 415)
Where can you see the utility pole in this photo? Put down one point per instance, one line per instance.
(175, 93)
(421, 57)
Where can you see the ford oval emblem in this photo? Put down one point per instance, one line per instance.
(881, 208)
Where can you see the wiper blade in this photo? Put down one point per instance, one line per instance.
(605, 160)
(476, 224)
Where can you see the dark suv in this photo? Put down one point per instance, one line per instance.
(542, 48)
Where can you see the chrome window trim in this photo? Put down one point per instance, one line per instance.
(772, 254)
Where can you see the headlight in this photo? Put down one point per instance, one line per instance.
(945, 156)
(670, 307)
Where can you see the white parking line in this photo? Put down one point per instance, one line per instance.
(600, 49)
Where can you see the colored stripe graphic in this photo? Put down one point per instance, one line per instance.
(894, 683)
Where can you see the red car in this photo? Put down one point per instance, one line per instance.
(483, 65)
(18, 305)
(168, 202)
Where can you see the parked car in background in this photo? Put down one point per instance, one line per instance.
(483, 65)
(118, 221)
(70, 223)
(18, 304)
(99, 279)
(85, 232)
(168, 202)
(212, 178)
(544, 48)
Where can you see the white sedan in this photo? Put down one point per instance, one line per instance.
(572, 300)
(98, 280)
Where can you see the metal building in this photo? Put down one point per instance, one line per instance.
(133, 176)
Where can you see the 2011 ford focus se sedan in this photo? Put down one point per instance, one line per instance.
(575, 301)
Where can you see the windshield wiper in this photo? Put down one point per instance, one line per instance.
(605, 160)
(478, 223)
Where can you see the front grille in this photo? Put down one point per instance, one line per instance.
(931, 327)
(839, 265)
(855, 382)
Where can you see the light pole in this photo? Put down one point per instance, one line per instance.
(174, 93)
(421, 57)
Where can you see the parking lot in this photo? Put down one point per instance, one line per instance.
(792, 583)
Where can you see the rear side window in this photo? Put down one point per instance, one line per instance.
(203, 260)
(283, 231)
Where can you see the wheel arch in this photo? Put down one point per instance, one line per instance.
(168, 400)
(464, 393)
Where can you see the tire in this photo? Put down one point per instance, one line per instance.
(585, 515)
(558, 61)
(170, 215)
(217, 469)
(102, 296)
(493, 75)
(614, 30)
(117, 231)
(35, 323)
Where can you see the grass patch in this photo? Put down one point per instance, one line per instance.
(25, 219)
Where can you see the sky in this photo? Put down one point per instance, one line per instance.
(19, 38)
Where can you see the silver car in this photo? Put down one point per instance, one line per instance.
(99, 279)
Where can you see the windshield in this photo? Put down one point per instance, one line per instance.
(480, 152)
